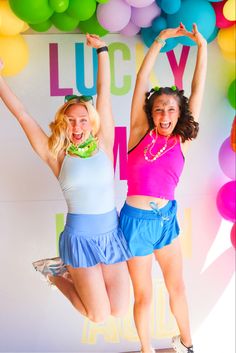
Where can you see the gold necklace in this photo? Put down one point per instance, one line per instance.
(148, 149)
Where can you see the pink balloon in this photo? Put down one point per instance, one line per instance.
(130, 30)
(139, 3)
(226, 201)
(221, 21)
(114, 15)
(233, 235)
(143, 17)
(227, 159)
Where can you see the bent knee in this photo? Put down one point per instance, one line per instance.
(119, 311)
(98, 317)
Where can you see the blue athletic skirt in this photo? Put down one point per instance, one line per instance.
(91, 239)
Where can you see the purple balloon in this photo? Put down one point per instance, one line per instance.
(226, 201)
(139, 3)
(227, 159)
(114, 15)
(130, 30)
(143, 17)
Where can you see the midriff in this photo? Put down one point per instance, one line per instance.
(140, 201)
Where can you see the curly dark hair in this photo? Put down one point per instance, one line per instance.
(186, 127)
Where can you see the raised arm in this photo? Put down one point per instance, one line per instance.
(138, 122)
(103, 103)
(199, 76)
(36, 136)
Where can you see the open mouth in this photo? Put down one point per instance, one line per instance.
(77, 138)
(165, 125)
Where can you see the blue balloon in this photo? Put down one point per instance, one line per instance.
(170, 6)
(170, 44)
(158, 2)
(148, 36)
(200, 12)
(215, 0)
(158, 24)
(214, 35)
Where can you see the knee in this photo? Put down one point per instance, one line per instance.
(143, 299)
(177, 288)
(119, 311)
(98, 316)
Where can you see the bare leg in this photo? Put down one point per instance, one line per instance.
(140, 269)
(117, 282)
(67, 287)
(170, 260)
(87, 291)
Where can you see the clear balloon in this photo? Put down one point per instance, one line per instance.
(143, 17)
(226, 201)
(114, 15)
(12, 47)
(227, 159)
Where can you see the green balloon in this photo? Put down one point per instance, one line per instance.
(31, 11)
(92, 26)
(102, 1)
(64, 22)
(59, 5)
(41, 27)
(232, 94)
(82, 9)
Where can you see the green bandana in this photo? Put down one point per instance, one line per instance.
(84, 150)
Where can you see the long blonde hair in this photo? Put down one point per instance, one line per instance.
(60, 139)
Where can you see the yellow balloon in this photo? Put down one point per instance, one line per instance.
(226, 39)
(229, 10)
(228, 56)
(14, 53)
(10, 24)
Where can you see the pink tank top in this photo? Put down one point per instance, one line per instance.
(158, 177)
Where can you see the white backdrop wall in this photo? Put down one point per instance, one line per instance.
(34, 318)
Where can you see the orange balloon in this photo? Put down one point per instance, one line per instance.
(233, 135)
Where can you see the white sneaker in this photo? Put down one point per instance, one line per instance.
(179, 347)
(50, 267)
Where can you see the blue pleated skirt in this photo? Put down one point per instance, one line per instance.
(88, 240)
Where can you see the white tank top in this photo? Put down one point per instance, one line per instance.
(88, 184)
